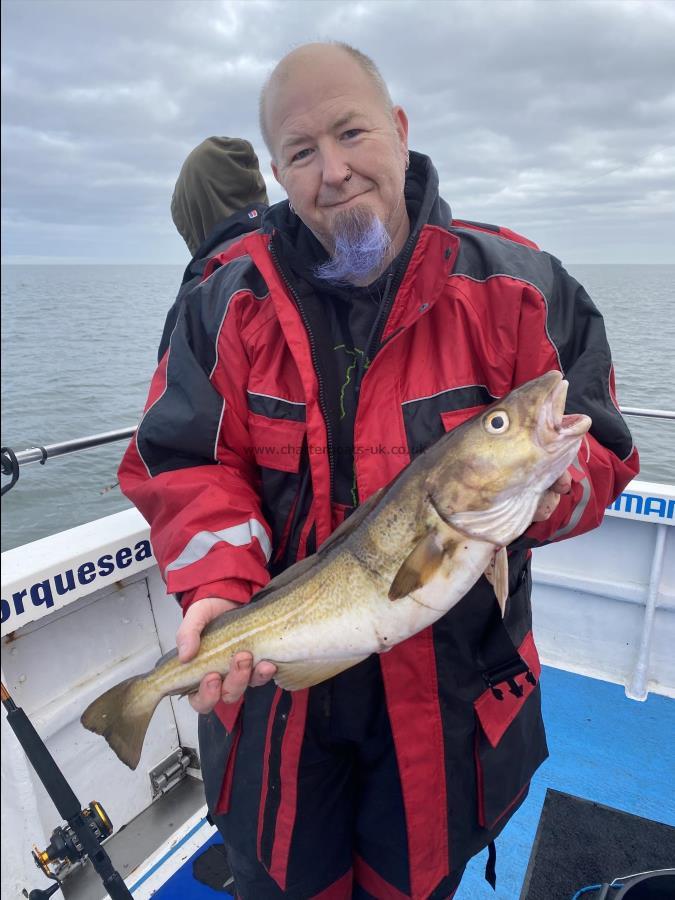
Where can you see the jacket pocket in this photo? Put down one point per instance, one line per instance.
(456, 417)
(277, 443)
(510, 742)
(426, 419)
(279, 447)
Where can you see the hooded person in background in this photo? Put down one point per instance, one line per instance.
(220, 195)
(219, 180)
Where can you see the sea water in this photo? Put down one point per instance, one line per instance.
(79, 348)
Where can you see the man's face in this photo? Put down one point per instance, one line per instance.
(326, 118)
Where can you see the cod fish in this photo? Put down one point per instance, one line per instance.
(395, 566)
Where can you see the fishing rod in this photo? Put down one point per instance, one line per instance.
(13, 460)
(86, 828)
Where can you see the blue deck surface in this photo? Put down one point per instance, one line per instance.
(603, 747)
(182, 885)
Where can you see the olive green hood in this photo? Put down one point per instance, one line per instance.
(220, 176)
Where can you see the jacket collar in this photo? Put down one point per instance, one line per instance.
(430, 251)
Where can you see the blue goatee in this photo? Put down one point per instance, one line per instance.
(361, 246)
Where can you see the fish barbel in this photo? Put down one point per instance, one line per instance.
(399, 563)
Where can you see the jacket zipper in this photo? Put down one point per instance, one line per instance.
(312, 346)
(390, 291)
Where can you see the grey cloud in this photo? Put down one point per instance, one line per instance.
(554, 118)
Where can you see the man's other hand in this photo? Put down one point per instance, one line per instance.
(551, 498)
(242, 674)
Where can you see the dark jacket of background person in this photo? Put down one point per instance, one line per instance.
(226, 467)
(220, 194)
(217, 241)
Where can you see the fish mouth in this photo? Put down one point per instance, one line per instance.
(553, 426)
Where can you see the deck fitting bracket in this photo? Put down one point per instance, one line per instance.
(172, 770)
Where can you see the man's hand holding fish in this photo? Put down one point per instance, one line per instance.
(241, 674)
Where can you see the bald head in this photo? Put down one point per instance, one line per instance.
(338, 146)
(300, 64)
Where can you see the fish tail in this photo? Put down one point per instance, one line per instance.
(122, 716)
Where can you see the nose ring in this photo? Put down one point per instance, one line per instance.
(349, 174)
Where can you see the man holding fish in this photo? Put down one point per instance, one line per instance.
(317, 358)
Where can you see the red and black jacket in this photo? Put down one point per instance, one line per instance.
(231, 465)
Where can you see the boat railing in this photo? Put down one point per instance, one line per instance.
(648, 413)
(12, 458)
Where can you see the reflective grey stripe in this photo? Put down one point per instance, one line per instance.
(276, 407)
(236, 535)
(578, 509)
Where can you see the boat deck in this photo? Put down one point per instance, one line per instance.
(603, 605)
(604, 747)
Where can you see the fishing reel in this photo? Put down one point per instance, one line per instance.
(65, 848)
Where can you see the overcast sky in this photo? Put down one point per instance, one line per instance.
(553, 117)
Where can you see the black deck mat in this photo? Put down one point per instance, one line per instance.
(580, 843)
(211, 868)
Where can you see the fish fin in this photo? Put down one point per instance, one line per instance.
(418, 567)
(497, 573)
(122, 716)
(293, 676)
(189, 692)
(500, 523)
(167, 657)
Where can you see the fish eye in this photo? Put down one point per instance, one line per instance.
(496, 422)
